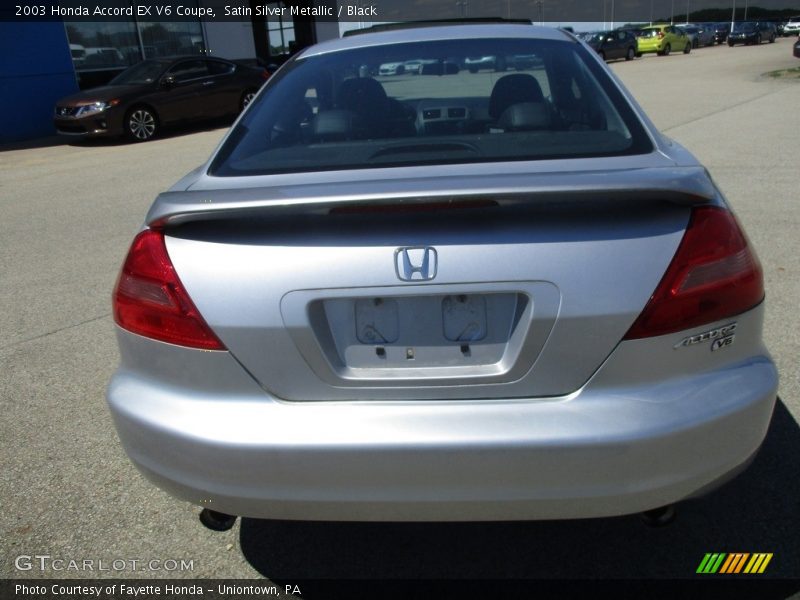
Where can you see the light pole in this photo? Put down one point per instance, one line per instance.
(612, 14)
(745, 10)
(651, 12)
(672, 13)
(464, 5)
(687, 12)
(733, 16)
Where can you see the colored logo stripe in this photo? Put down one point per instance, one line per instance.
(721, 562)
(734, 563)
(758, 563)
(710, 563)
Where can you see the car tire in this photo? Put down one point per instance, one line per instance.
(667, 50)
(246, 99)
(141, 124)
(687, 48)
(639, 55)
(758, 40)
(772, 39)
(730, 44)
(630, 54)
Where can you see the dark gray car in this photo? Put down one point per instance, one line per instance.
(614, 44)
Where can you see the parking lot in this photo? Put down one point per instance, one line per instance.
(69, 212)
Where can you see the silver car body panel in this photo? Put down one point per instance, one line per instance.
(556, 418)
(253, 290)
(636, 436)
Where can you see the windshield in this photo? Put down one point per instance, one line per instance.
(146, 71)
(523, 100)
(744, 27)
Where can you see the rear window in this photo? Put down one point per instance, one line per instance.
(443, 102)
(649, 33)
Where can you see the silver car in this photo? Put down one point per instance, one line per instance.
(454, 296)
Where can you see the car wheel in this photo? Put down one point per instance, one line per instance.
(141, 124)
(631, 53)
(730, 44)
(687, 48)
(772, 39)
(638, 55)
(667, 50)
(247, 98)
(758, 40)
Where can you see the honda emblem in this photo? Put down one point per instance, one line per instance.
(415, 263)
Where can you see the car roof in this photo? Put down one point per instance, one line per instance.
(439, 33)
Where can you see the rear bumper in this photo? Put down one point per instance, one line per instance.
(214, 438)
(651, 46)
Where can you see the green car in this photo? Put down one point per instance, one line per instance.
(663, 39)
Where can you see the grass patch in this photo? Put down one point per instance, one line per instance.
(793, 73)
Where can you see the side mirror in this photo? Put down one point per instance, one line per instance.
(167, 81)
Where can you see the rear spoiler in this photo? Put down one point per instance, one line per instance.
(681, 185)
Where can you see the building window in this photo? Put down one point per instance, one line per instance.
(101, 50)
(97, 46)
(172, 39)
(280, 31)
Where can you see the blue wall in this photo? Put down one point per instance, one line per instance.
(35, 71)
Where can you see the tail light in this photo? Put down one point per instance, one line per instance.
(714, 275)
(661, 35)
(150, 300)
(265, 74)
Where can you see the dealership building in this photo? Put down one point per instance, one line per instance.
(44, 60)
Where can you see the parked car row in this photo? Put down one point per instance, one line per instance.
(662, 39)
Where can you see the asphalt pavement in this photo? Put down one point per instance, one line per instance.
(67, 490)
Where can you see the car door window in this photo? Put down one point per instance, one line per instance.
(188, 70)
(218, 67)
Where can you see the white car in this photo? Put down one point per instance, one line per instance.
(392, 68)
(792, 26)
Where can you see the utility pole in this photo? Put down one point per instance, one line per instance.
(464, 5)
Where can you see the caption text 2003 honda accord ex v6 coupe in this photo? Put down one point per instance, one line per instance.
(442, 295)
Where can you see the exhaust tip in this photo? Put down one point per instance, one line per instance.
(659, 517)
(216, 521)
